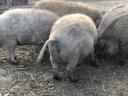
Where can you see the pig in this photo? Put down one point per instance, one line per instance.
(71, 40)
(68, 7)
(24, 27)
(113, 33)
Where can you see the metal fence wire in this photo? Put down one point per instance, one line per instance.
(16, 2)
(102, 5)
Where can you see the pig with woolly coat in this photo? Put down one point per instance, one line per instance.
(113, 33)
(71, 40)
(24, 27)
(68, 7)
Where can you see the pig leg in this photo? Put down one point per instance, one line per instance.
(100, 50)
(10, 48)
(122, 59)
(55, 59)
(92, 59)
(71, 66)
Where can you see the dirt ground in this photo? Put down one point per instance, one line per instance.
(29, 79)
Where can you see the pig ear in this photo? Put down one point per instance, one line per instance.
(99, 45)
(98, 23)
(102, 41)
(102, 44)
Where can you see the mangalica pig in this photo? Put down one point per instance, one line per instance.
(113, 33)
(24, 27)
(71, 40)
(69, 7)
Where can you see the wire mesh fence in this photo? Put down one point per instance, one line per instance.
(102, 5)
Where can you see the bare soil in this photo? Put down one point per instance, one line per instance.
(29, 79)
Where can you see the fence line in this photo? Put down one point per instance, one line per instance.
(102, 5)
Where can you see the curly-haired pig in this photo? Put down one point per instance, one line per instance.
(24, 27)
(113, 33)
(69, 7)
(71, 40)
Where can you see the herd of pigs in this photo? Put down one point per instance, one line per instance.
(71, 30)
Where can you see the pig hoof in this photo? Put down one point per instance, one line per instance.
(13, 62)
(73, 80)
(56, 74)
(37, 62)
(95, 65)
(57, 78)
(121, 63)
